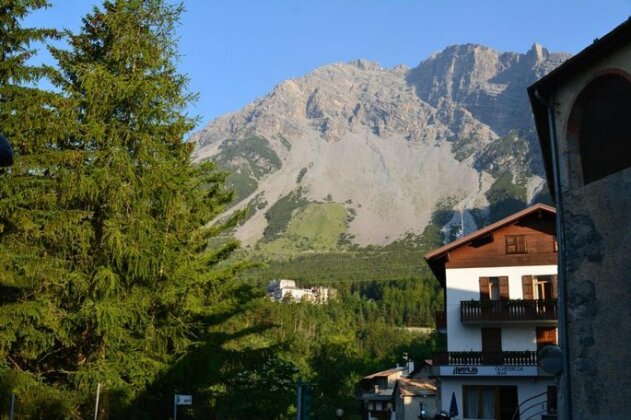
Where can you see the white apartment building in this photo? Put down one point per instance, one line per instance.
(281, 289)
(500, 309)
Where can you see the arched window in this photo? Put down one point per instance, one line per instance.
(600, 126)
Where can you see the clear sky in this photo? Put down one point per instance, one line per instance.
(237, 50)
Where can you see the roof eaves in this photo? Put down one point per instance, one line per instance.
(439, 252)
(387, 372)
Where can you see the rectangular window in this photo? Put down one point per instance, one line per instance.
(479, 401)
(489, 402)
(494, 286)
(515, 244)
(544, 287)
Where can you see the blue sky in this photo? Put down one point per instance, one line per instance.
(237, 50)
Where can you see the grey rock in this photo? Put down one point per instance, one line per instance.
(468, 102)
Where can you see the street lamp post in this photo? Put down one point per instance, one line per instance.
(422, 412)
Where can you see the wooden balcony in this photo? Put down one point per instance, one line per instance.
(478, 358)
(441, 321)
(516, 310)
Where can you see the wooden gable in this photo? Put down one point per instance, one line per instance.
(528, 241)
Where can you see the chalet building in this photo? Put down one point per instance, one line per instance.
(377, 390)
(582, 112)
(414, 398)
(401, 393)
(500, 287)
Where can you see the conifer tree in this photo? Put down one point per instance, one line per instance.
(104, 237)
(32, 321)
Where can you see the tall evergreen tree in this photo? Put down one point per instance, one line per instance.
(32, 322)
(108, 276)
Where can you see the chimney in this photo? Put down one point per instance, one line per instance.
(410, 367)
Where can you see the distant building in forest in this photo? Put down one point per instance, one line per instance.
(582, 112)
(283, 289)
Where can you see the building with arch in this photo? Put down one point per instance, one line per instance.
(582, 113)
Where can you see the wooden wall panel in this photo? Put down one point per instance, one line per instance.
(539, 246)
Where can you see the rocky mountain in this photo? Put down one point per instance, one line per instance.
(354, 153)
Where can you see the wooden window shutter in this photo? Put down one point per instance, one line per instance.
(484, 288)
(504, 288)
(554, 286)
(526, 283)
(511, 246)
(516, 244)
(546, 336)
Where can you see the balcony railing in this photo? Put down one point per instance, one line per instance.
(518, 310)
(441, 320)
(478, 358)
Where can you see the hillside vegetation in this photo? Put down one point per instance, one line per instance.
(391, 145)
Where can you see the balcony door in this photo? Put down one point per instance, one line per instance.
(491, 346)
(545, 287)
(493, 288)
(539, 287)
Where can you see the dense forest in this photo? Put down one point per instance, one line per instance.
(111, 277)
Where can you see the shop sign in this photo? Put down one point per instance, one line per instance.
(488, 371)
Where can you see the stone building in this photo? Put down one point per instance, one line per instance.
(582, 112)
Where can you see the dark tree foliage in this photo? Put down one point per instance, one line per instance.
(334, 345)
(33, 324)
(106, 275)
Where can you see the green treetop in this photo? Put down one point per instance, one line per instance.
(104, 245)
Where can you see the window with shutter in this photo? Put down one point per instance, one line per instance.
(484, 288)
(494, 288)
(515, 244)
(543, 287)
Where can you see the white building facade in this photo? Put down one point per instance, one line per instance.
(500, 309)
(279, 290)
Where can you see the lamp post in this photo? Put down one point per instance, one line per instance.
(422, 411)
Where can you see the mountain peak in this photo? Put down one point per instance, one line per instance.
(464, 49)
(443, 132)
(538, 52)
(367, 65)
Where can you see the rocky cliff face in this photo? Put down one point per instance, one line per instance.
(389, 146)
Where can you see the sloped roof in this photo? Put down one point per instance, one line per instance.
(540, 91)
(409, 387)
(435, 259)
(490, 228)
(385, 373)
